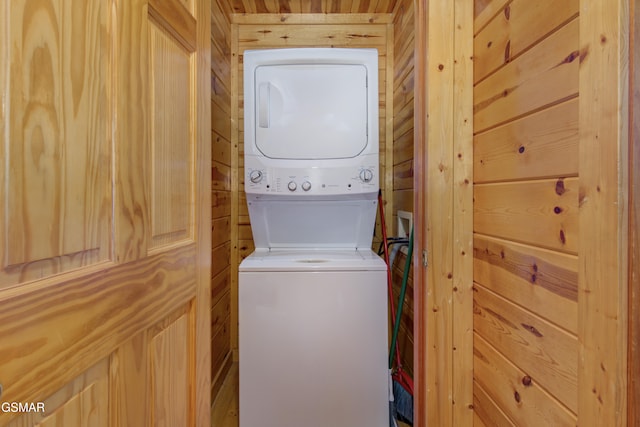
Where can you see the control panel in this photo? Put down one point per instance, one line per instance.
(294, 181)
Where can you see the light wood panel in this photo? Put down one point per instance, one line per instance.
(169, 373)
(540, 145)
(518, 26)
(515, 391)
(55, 135)
(546, 282)
(542, 212)
(83, 402)
(545, 74)
(102, 325)
(463, 212)
(603, 170)
(171, 141)
(311, 6)
(221, 181)
(633, 370)
(544, 351)
(526, 210)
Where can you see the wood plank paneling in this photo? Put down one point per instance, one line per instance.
(633, 370)
(546, 282)
(222, 184)
(526, 210)
(518, 26)
(539, 348)
(541, 145)
(545, 74)
(542, 213)
(312, 6)
(516, 392)
(604, 186)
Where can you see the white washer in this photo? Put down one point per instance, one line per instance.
(312, 297)
(313, 339)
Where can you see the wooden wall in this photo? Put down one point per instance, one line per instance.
(526, 212)
(547, 92)
(259, 31)
(402, 158)
(221, 192)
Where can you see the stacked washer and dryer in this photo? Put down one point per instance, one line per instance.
(312, 296)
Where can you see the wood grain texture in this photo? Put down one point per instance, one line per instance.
(420, 133)
(45, 345)
(222, 174)
(463, 215)
(540, 145)
(313, 6)
(543, 281)
(633, 370)
(541, 212)
(544, 75)
(82, 402)
(55, 136)
(603, 169)
(487, 411)
(518, 26)
(175, 19)
(169, 374)
(537, 347)
(519, 395)
(172, 141)
(435, 132)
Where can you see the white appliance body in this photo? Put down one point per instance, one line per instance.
(313, 339)
(311, 136)
(312, 297)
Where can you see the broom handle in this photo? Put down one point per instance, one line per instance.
(403, 290)
(383, 226)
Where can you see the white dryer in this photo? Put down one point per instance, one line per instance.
(312, 297)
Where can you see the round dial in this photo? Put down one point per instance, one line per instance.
(306, 186)
(366, 175)
(255, 176)
(292, 186)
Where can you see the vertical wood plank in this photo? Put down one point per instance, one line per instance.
(132, 209)
(434, 138)
(420, 220)
(388, 129)
(603, 170)
(462, 320)
(235, 186)
(634, 212)
(200, 374)
(169, 354)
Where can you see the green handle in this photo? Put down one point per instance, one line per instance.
(403, 290)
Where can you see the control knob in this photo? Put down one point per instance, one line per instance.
(366, 175)
(292, 186)
(255, 176)
(306, 186)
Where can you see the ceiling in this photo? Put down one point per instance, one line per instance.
(312, 6)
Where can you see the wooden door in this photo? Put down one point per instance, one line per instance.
(105, 212)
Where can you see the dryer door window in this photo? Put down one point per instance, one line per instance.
(311, 111)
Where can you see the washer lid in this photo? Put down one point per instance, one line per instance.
(312, 260)
(311, 111)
